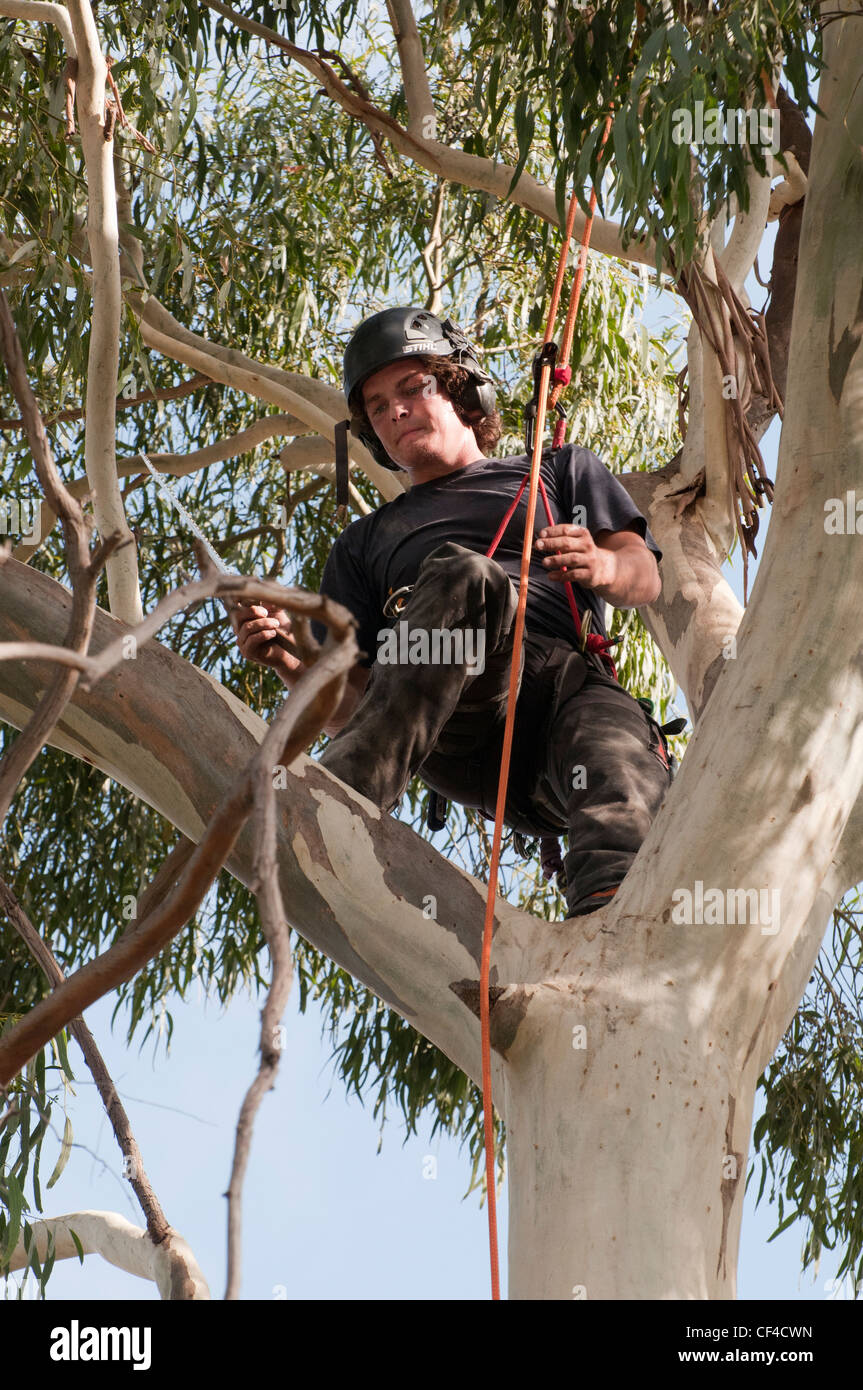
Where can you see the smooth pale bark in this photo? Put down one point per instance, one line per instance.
(318, 405)
(640, 1193)
(694, 621)
(169, 1264)
(104, 352)
(42, 13)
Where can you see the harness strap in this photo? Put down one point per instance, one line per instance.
(340, 438)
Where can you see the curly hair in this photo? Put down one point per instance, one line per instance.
(453, 379)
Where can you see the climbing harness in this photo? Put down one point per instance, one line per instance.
(396, 600)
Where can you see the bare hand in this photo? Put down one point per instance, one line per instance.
(572, 554)
(256, 624)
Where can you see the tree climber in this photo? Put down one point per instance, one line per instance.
(587, 757)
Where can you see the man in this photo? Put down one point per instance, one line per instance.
(586, 757)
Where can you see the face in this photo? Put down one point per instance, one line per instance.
(415, 420)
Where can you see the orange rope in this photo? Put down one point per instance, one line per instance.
(518, 637)
(562, 373)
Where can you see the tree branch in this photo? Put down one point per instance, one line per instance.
(348, 873)
(83, 569)
(104, 350)
(320, 406)
(471, 170)
(415, 81)
(432, 254)
(275, 929)
(238, 587)
(43, 14)
(169, 393)
(738, 256)
(295, 726)
(177, 465)
(795, 139)
(170, 1264)
(315, 455)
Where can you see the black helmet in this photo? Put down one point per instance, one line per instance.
(395, 333)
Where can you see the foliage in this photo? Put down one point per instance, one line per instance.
(31, 1103)
(813, 1096)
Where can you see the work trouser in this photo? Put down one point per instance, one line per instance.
(587, 759)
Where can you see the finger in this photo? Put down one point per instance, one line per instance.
(259, 631)
(577, 541)
(563, 560)
(563, 528)
(258, 647)
(245, 611)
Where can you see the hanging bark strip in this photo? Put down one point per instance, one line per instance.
(730, 329)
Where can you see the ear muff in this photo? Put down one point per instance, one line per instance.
(478, 397)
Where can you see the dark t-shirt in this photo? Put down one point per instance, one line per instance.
(383, 551)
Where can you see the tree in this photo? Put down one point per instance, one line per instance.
(660, 1014)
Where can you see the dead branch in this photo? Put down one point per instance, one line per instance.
(157, 1224)
(277, 936)
(169, 393)
(296, 725)
(240, 587)
(83, 569)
